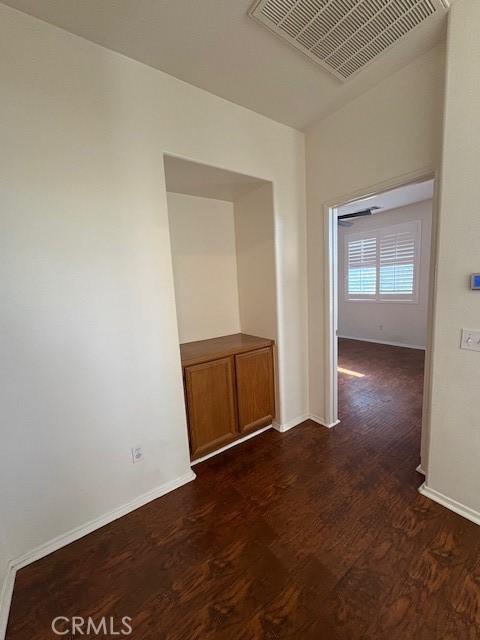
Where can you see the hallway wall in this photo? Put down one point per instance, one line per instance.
(453, 466)
(4, 581)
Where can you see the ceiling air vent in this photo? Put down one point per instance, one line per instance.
(344, 36)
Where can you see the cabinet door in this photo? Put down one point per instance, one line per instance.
(211, 405)
(255, 388)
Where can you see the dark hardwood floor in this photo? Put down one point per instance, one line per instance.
(312, 534)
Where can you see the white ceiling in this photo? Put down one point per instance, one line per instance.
(401, 197)
(214, 45)
(194, 179)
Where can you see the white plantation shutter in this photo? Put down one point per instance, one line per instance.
(362, 267)
(397, 263)
(382, 264)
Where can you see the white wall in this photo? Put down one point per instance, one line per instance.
(392, 130)
(254, 227)
(89, 343)
(4, 583)
(202, 232)
(4, 563)
(402, 323)
(454, 468)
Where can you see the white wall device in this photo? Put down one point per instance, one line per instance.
(470, 340)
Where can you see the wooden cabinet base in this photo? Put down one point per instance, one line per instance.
(229, 390)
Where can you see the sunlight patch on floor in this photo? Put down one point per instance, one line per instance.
(349, 372)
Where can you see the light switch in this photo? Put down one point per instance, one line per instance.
(470, 340)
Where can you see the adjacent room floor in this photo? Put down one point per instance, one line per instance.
(311, 534)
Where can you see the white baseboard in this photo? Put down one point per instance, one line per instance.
(391, 344)
(286, 426)
(83, 530)
(420, 470)
(6, 599)
(232, 444)
(323, 422)
(450, 503)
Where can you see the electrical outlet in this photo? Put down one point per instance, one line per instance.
(137, 454)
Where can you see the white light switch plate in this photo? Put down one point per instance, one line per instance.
(470, 340)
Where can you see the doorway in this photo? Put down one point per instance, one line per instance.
(380, 264)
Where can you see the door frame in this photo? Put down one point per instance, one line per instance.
(331, 296)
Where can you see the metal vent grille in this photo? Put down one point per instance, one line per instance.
(344, 36)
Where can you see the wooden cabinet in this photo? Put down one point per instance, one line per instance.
(255, 390)
(212, 407)
(229, 389)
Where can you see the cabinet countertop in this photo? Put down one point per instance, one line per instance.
(204, 350)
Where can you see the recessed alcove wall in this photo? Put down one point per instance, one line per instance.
(223, 251)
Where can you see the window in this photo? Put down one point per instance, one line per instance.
(381, 265)
(362, 267)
